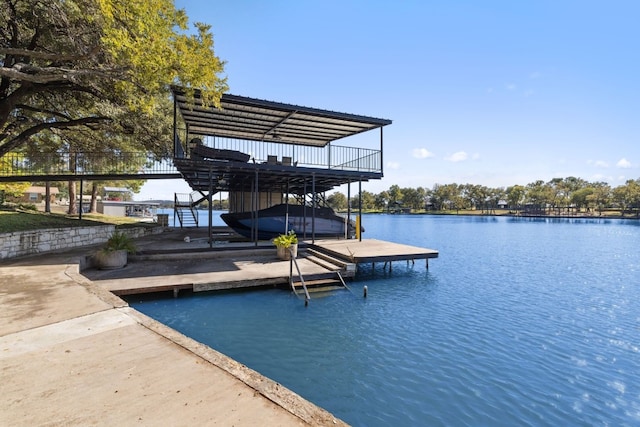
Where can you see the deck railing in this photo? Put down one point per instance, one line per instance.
(83, 164)
(63, 165)
(328, 157)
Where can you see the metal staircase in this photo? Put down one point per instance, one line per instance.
(184, 208)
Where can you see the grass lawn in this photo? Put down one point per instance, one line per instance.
(26, 220)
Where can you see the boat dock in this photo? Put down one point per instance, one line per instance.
(205, 270)
(168, 263)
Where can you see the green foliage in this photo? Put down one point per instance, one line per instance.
(381, 200)
(120, 241)
(286, 240)
(559, 196)
(395, 194)
(337, 201)
(12, 190)
(368, 201)
(98, 72)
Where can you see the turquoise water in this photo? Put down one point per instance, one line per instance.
(518, 322)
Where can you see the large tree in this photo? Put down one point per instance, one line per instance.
(99, 65)
(337, 201)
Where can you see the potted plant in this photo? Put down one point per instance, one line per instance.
(284, 242)
(114, 253)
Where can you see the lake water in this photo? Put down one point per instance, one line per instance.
(518, 322)
(203, 217)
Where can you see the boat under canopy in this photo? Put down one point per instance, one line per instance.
(323, 222)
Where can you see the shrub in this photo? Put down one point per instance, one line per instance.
(286, 240)
(120, 241)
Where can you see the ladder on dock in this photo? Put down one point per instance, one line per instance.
(331, 280)
(292, 262)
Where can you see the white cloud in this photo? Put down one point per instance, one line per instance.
(511, 86)
(598, 163)
(623, 163)
(460, 156)
(475, 156)
(393, 165)
(421, 153)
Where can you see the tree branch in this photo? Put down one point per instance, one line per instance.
(26, 53)
(24, 136)
(48, 75)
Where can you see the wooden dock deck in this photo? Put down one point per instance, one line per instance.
(204, 271)
(372, 251)
(168, 263)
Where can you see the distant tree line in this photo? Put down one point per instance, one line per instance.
(556, 197)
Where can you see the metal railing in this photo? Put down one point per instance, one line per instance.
(328, 157)
(292, 262)
(69, 165)
(183, 203)
(84, 164)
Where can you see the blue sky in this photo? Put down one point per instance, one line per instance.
(484, 92)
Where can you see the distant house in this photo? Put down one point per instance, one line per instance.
(36, 194)
(117, 193)
(396, 207)
(117, 202)
(128, 208)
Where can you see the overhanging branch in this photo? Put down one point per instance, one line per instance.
(27, 53)
(27, 133)
(48, 75)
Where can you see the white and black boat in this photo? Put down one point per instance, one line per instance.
(282, 218)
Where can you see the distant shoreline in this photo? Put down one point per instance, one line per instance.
(503, 214)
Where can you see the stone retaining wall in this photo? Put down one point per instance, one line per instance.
(22, 243)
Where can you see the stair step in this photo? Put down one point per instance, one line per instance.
(347, 268)
(186, 216)
(329, 275)
(328, 258)
(314, 284)
(321, 262)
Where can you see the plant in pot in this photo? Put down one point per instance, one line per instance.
(114, 253)
(286, 244)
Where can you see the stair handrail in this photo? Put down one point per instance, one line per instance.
(292, 261)
(343, 282)
(180, 205)
(191, 206)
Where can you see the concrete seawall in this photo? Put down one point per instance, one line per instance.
(21, 243)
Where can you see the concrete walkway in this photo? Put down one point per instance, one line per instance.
(71, 353)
